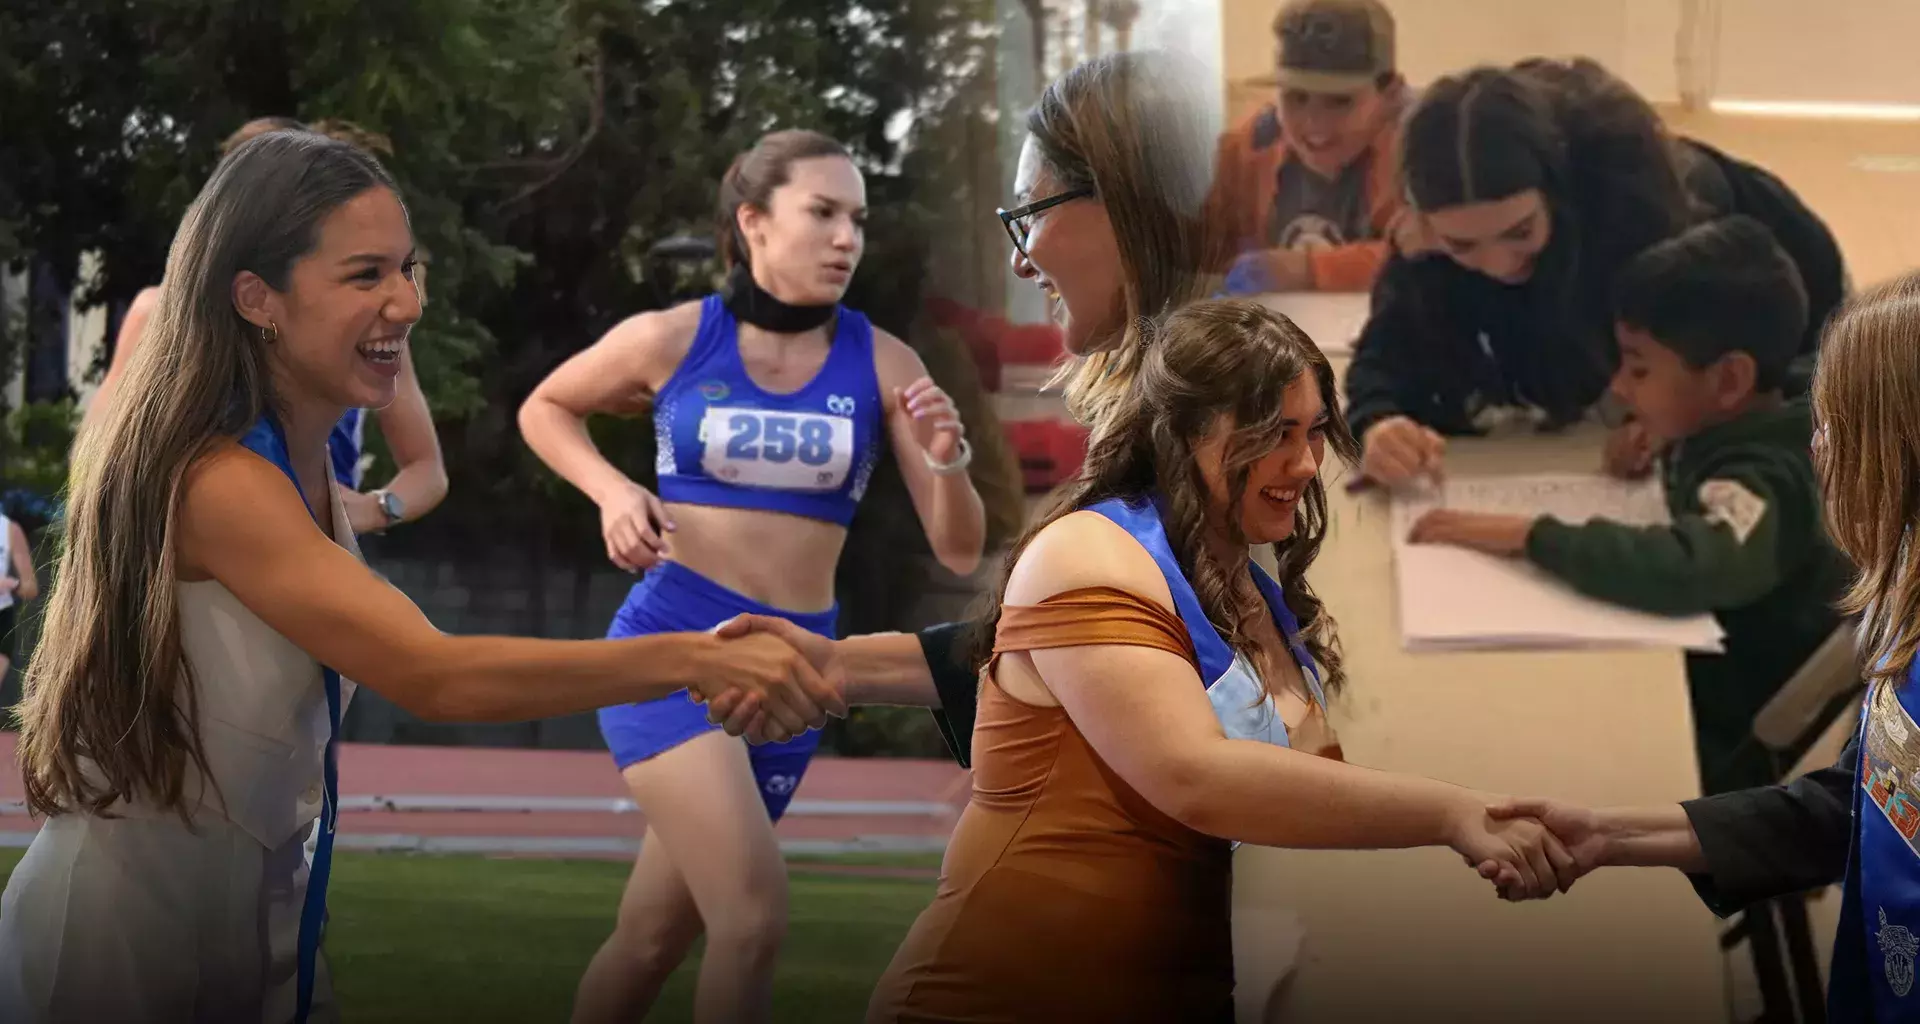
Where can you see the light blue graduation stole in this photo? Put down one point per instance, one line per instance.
(1237, 693)
(268, 441)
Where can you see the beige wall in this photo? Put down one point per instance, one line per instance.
(1636, 38)
(1836, 51)
(1857, 51)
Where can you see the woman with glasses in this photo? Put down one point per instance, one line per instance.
(1108, 222)
(1149, 697)
(773, 404)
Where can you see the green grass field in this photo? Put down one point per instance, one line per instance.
(417, 938)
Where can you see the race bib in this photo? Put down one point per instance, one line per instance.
(789, 451)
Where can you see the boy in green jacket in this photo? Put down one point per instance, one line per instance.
(1707, 324)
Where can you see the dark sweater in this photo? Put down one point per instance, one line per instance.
(1444, 343)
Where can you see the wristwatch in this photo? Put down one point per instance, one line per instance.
(390, 506)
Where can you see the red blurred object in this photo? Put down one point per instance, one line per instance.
(1029, 344)
(1051, 452)
(1069, 450)
(976, 333)
(995, 343)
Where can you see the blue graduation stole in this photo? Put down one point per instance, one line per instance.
(343, 448)
(1240, 702)
(268, 441)
(1886, 861)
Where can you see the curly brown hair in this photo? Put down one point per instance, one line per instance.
(1211, 361)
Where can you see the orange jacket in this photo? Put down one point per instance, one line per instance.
(1246, 177)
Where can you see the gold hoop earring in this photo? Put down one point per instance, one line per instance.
(270, 333)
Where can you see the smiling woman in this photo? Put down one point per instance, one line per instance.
(420, 481)
(346, 346)
(1150, 698)
(210, 616)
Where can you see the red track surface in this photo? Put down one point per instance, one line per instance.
(377, 770)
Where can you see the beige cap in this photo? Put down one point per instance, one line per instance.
(1333, 45)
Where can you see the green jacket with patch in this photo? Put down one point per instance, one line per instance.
(1748, 544)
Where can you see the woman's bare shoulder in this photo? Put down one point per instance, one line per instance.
(1080, 550)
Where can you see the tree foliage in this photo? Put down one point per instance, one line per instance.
(543, 146)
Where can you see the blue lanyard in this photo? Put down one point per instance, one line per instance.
(313, 912)
(267, 441)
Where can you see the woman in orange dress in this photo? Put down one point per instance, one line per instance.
(1152, 698)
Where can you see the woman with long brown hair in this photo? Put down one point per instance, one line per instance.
(419, 482)
(1150, 698)
(210, 614)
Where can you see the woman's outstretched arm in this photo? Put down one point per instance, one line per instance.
(1146, 713)
(244, 525)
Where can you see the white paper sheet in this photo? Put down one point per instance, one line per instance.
(1332, 319)
(1452, 598)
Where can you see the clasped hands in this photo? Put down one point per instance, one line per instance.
(1528, 849)
(1524, 834)
(775, 714)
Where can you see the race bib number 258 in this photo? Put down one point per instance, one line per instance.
(791, 451)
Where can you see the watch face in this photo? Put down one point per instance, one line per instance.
(391, 504)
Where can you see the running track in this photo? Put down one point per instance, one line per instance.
(572, 803)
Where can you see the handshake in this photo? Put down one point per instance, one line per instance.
(775, 682)
(1529, 849)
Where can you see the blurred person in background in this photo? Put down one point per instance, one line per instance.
(1310, 185)
(1532, 187)
(19, 585)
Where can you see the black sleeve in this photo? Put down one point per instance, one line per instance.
(1380, 355)
(1775, 840)
(1400, 364)
(954, 680)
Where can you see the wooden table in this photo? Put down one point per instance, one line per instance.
(1414, 935)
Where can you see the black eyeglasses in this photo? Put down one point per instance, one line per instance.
(1016, 220)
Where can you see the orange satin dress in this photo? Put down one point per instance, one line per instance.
(1065, 895)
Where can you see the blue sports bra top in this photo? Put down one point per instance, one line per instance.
(724, 441)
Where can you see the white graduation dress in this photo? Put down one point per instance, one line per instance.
(137, 918)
